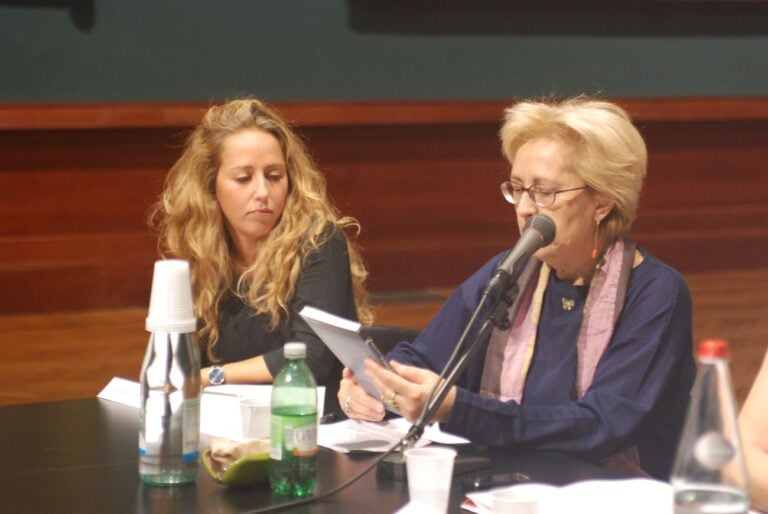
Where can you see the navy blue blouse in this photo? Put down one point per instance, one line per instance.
(640, 390)
(554, 359)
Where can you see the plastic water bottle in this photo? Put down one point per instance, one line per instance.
(293, 426)
(169, 418)
(709, 474)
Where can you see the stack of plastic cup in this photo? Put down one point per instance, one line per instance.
(169, 436)
(170, 306)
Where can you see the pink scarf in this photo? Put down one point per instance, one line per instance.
(510, 352)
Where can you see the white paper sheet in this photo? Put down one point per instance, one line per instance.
(353, 435)
(219, 405)
(627, 496)
(122, 391)
(342, 336)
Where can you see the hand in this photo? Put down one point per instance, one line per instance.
(408, 389)
(355, 400)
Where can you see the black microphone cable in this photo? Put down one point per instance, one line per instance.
(503, 290)
(417, 428)
(407, 440)
(504, 295)
(342, 486)
(413, 434)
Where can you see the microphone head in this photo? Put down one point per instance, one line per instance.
(542, 224)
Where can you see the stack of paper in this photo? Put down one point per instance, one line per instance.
(353, 435)
(628, 496)
(219, 405)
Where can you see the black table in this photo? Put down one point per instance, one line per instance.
(80, 457)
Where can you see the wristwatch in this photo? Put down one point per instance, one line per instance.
(216, 375)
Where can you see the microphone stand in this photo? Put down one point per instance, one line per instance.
(504, 287)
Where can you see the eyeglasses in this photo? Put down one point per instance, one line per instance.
(540, 195)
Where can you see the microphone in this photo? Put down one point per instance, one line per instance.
(502, 291)
(538, 232)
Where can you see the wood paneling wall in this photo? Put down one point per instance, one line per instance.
(422, 178)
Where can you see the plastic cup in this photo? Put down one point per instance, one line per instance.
(507, 501)
(170, 305)
(255, 417)
(430, 471)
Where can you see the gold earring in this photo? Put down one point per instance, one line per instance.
(594, 248)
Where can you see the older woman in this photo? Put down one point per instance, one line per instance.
(753, 424)
(245, 205)
(598, 361)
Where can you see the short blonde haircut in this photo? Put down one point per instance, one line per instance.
(607, 151)
(191, 225)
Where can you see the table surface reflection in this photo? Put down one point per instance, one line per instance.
(80, 456)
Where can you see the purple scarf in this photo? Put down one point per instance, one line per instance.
(510, 352)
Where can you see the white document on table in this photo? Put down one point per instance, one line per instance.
(122, 391)
(627, 496)
(354, 435)
(219, 405)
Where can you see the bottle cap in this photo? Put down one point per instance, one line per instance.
(170, 305)
(713, 349)
(295, 350)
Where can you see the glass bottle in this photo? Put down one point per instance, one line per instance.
(709, 473)
(293, 426)
(169, 416)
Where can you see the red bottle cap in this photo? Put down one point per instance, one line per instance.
(713, 349)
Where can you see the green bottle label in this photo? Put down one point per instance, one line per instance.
(293, 432)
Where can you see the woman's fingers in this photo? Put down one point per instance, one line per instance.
(413, 374)
(406, 390)
(364, 406)
(356, 402)
(404, 378)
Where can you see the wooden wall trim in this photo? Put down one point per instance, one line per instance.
(75, 116)
(422, 178)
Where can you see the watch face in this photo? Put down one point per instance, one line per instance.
(216, 376)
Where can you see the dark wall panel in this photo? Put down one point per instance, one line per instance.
(180, 50)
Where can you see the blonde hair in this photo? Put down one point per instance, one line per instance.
(607, 151)
(191, 225)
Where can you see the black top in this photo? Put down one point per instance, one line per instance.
(325, 282)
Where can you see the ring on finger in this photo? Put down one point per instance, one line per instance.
(347, 408)
(391, 399)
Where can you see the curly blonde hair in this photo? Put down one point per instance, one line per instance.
(191, 225)
(607, 151)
